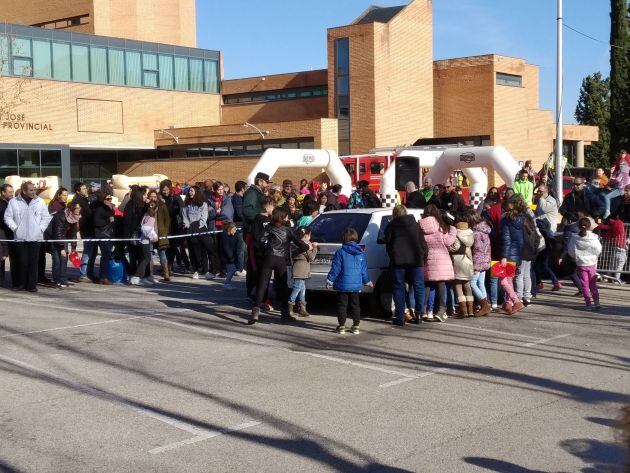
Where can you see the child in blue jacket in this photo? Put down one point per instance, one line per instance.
(348, 274)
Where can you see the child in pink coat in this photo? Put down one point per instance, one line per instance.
(439, 267)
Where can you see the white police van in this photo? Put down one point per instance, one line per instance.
(370, 225)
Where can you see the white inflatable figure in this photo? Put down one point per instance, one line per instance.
(46, 186)
(316, 159)
(120, 183)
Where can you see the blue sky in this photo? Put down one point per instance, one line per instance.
(276, 36)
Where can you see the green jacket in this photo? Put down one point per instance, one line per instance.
(526, 189)
(252, 204)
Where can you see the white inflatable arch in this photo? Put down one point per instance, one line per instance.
(315, 159)
(428, 159)
(470, 161)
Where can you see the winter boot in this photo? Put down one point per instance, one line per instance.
(484, 309)
(302, 310)
(254, 317)
(165, 272)
(291, 307)
(462, 309)
(470, 306)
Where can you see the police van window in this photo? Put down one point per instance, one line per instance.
(350, 168)
(362, 168)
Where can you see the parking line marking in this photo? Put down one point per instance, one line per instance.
(199, 432)
(413, 377)
(21, 334)
(203, 436)
(545, 340)
(353, 363)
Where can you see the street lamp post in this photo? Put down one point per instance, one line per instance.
(559, 127)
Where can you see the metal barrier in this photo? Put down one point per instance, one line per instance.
(613, 261)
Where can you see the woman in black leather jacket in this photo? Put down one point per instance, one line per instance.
(276, 242)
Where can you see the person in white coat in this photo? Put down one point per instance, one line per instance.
(546, 207)
(27, 216)
(585, 249)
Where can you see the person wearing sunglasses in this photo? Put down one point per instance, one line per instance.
(582, 199)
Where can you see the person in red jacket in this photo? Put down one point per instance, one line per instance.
(614, 232)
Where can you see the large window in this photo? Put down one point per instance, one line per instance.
(342, 85)
(509, 80)
(273, 95)
(29, 163)
(85, 58)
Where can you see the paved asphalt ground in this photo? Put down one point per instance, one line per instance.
(171, 379)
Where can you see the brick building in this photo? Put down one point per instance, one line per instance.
(115, 98)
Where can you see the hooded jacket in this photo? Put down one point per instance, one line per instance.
(585, 250)
(405, 243)
(348, 272)
(481, 247)
(512, 238)
(27, 221)
(463, 257)
(302, 262)
(439, 266)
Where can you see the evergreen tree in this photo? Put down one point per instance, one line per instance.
(619, 76)
(594, 109)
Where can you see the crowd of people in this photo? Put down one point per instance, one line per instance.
(440, 266)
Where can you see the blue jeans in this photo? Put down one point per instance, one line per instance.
(241, 251)
(299, 291)
(450, 296)
(478, 285)
(609, 197)
(230, 269)
(495, 290)
(106, 254)
(59, 265)
(438, 289)
(416, 277)
(87, 268)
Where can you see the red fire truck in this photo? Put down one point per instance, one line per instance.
(368, 167)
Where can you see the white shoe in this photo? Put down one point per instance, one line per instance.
(240, 274)
(210, 276)
(195, 275)
(134, 281)
(151, 279)
(146, 282)
(428, 316)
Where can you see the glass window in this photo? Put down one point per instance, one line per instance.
(509, 80)
(98, 65)
(116, 61)
(42, 61)
(166, 72)
(377, 168)
(21, 47)
(328, 228)
(61, 61)
(133, 63)
(192, 153)
(28, 162)
(206, 152)
(4, 55)
(342, 84)
(149, 62)
(22, 67)
(181, 73)
(8, 164)
(51, 163)
(342, 56)
(211, 76)
(80, 63)
(196, 75)
(380, 239)
(149, 67)
(221, 151)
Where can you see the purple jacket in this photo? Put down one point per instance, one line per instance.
(481, 247)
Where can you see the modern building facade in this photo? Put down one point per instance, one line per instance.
(90, 89)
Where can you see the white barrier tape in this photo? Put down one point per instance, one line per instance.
(76, 240)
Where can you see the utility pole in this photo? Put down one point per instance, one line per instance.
(559, 127)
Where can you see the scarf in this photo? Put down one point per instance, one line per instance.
(71, 218)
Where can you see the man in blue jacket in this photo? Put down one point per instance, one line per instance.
(348, 274)
(582, 199)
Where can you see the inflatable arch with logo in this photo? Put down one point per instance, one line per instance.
(470, 160)
(275, 158)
